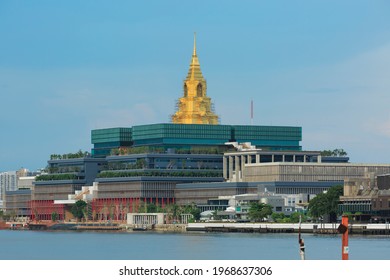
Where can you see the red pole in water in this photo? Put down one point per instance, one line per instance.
(344, 247)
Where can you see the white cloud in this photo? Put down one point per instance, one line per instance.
(378, 127)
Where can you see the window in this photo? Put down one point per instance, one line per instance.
(199, 90)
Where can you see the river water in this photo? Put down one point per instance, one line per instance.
(55, 245)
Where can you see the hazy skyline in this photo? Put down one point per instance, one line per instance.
(69, 67)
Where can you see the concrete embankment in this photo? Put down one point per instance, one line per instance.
(86, 226)
(158, 228)
(3, 225)
(325, 228)
(171, 228)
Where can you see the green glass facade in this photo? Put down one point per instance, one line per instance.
(269, 137)
(195, 134)
(106, 139)
(190, 136)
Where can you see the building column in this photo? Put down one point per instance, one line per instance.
(230, 167)
(224, 167)
(257, 158)
(243, 161)
(237, 166)
(294, 160)
(273, 158)
(283, 158)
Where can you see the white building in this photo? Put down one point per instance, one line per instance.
(25, 182)
(8, 182)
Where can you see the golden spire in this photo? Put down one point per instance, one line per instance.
(195, 106)
(194, 72)
(194, 53)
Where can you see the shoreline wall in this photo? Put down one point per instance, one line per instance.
(324, 228)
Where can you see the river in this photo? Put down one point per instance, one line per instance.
(55, 245)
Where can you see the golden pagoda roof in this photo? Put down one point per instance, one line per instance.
(194, 72)
(195, 106)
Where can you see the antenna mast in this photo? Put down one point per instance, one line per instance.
(252, 112)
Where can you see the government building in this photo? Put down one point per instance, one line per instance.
(192, 159)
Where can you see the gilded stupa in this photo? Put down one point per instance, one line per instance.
(195, 106)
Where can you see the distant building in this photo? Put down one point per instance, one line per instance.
(237, 206)
(191, 138)
(26, 182)
(142, 164)
(310, 172)
(18, 203)
(243, 204)
(64, 178)
(295, 176)
(201, 193)
(194, 128)
(119, 182)
(236, 162)
(8, 182)
(368, 196)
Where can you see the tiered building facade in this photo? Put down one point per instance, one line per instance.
(190, 160)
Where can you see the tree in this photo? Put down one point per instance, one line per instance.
(195, 212)
(294, 217)
(151, 208)
(277, 217)
(326, 203)
(54, 216)
(171, 210)
(78, 209)
(259, 211)
(214, 215)
(334, 153)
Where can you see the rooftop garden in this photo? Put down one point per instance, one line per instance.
(161, 173)
(334, 153)
(122, 151)
(56, 177)
(79, 154)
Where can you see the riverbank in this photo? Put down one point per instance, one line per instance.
(3, 225)
(319, 228)
(315, 228)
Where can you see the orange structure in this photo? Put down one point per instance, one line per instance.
(43, 210)
(344, 247)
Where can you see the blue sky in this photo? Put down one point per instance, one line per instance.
(67, 67)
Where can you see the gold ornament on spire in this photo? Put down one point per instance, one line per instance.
(195, 106)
